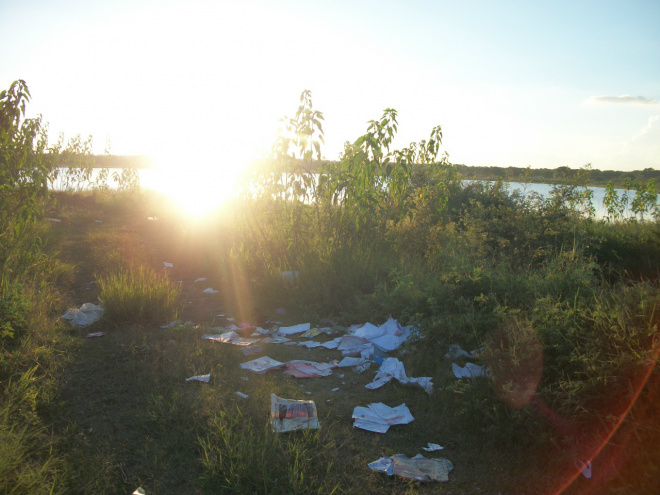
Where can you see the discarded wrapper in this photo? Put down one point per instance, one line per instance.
(209, 290)
(252, 349)
(261, 365)
(241, 394)
(418, 468)
(291, 415)
(95, 334)
(200, 378)
(432, 447)
(309, 369)
(302, 327)
(378, 417)
(470, 370)
(87, 314)
(393, 368)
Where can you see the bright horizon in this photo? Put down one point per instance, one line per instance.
(511, 83)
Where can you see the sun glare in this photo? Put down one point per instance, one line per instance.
(198, 184)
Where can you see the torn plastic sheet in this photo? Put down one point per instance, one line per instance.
(378, 417)
(350, 345)
(387, 337)
(200, 378)
(172, 324)
(95, 334)
(470, 370)
(393, 368)
(251, 350)
(261, 365)
(200, 279)
(275, 340)
(432, 447)
(312, 344)
(230, 338)
(455, 351)
(351, 361)
(585, 469)
(291, 415)
(242, 395)
(418, 468)
(167, 265)
(209, 290)
(87, 314)
(302, 327)
(309, 369)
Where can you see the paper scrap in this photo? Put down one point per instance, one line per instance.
(378, 417)
(290, 415)
(200, 378)
(261, 365)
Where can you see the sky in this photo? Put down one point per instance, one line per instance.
(512, 83)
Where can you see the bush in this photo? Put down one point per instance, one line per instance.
(138, 296)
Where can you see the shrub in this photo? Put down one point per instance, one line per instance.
(138, 296)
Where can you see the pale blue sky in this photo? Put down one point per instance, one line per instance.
(513, 83)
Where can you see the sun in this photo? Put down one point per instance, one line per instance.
(198, 184)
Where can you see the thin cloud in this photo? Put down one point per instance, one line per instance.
(622, 100)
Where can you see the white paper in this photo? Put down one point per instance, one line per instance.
(261, 365)
(209, 290)
(302, 327)
(200, 279)
(200, 378)
(470, 370)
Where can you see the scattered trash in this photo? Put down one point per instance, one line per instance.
(87, 314)
(230, 337)
(173, 324)
(584, 468)
(98, 221)
(352, 345)
(302, 327)
(289, 276)
(362, 368)
(309, 369)
(245, 378)
(209, 290)
(455, 351)
(378, 417)
(260, 331)
(432, 447)
(230, 319)
(290, 415)
(200, 378)
(241, 394)
(200, 279)
(335, 389)
(250, 350)
(418, 468)
(261, 365)
(470, 370)
(314, 332)
(311, 344)
(351, 361)
(168, 265)
(387, 337)
(280, 311)
(393, 368)
(275, 340)
(139, 490)
(95, 334)
(56, 220)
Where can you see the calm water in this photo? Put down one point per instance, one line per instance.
(168, 182)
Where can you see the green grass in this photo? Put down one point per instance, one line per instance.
(139, 295)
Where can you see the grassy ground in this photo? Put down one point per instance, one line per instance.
(123, 416)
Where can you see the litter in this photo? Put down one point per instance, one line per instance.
(352, 345)
(335, 389)
(351, 361)
(261, 365)
(173, 324)
(95, 334)
(241, 394)
(250, 350)
(245, 378)
(280, 311)
(315, 332)
(308, 369)
(275, 340)
(585, 469)
(290, 415)
(387, 337)
(139, 490)
(209, 290)
(168, 265)
(418, 468)
(302, 327)
(87, 314)
(200, 378)
(393, 368)
(470, 370)
(455, 351)
(363, 368)
(432, 447)
(378, 417)
(230, 337)
(56, 220)
(200, 279)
